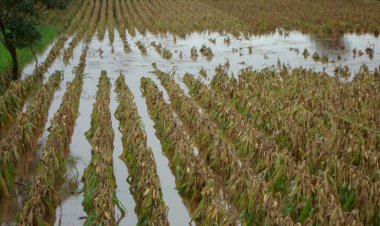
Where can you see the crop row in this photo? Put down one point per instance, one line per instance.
(303, 112)
(93, 23)
(80, 32)
(77, 20)
(103, 20)
(250, 193)
(121, 27)
(128, 19)
(42, 197)
(12, 101)
(23, 135)
(143, 178)
(255, 147)
(195, 181)
(99, 189)
(110, 20)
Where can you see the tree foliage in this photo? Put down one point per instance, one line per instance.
(18, 24)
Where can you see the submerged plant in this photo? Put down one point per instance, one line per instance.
(23, 136)
(42, 198)
(206, 52)
(194, 53)
(141, 47)
(143, 177)
(166, 54)
(99, 181)
(195, 181)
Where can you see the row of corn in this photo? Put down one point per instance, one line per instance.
(195, 181)
(12, 101)
(42, 197)
(23, 135)
(262, 151)
(80, 32)
(99, 181)
(110, 21)
(102, 20)
(143, 178)
(93, 23)
(249, 193)
(328, 126)
(121, 27)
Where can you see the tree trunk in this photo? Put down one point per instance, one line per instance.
(15, 69)
(12, 50)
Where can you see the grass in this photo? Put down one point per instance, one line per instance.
(25, 56)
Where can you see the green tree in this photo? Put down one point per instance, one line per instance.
(18, 25)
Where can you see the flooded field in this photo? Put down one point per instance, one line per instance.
(257, 51)
(225, 129)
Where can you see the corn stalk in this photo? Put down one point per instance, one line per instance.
(143, 177)
(252, 198)
(25, 132)
(42, 197)
(195, 180)
(302, 111)
(99, 181)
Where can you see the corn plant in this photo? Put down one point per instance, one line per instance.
(141, 47)
(206, 52)
(143, 178)
(80, 33)
(195, 181)
(23, 136)
(305, 118)
(223, 160)
(122, 27)
(99, 181)
(42, 197)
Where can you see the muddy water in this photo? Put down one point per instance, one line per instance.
(267, 50)
(29, 68)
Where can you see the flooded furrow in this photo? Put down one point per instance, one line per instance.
(24, 172)
(71, 210)
(120, 169)
(117, 63)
